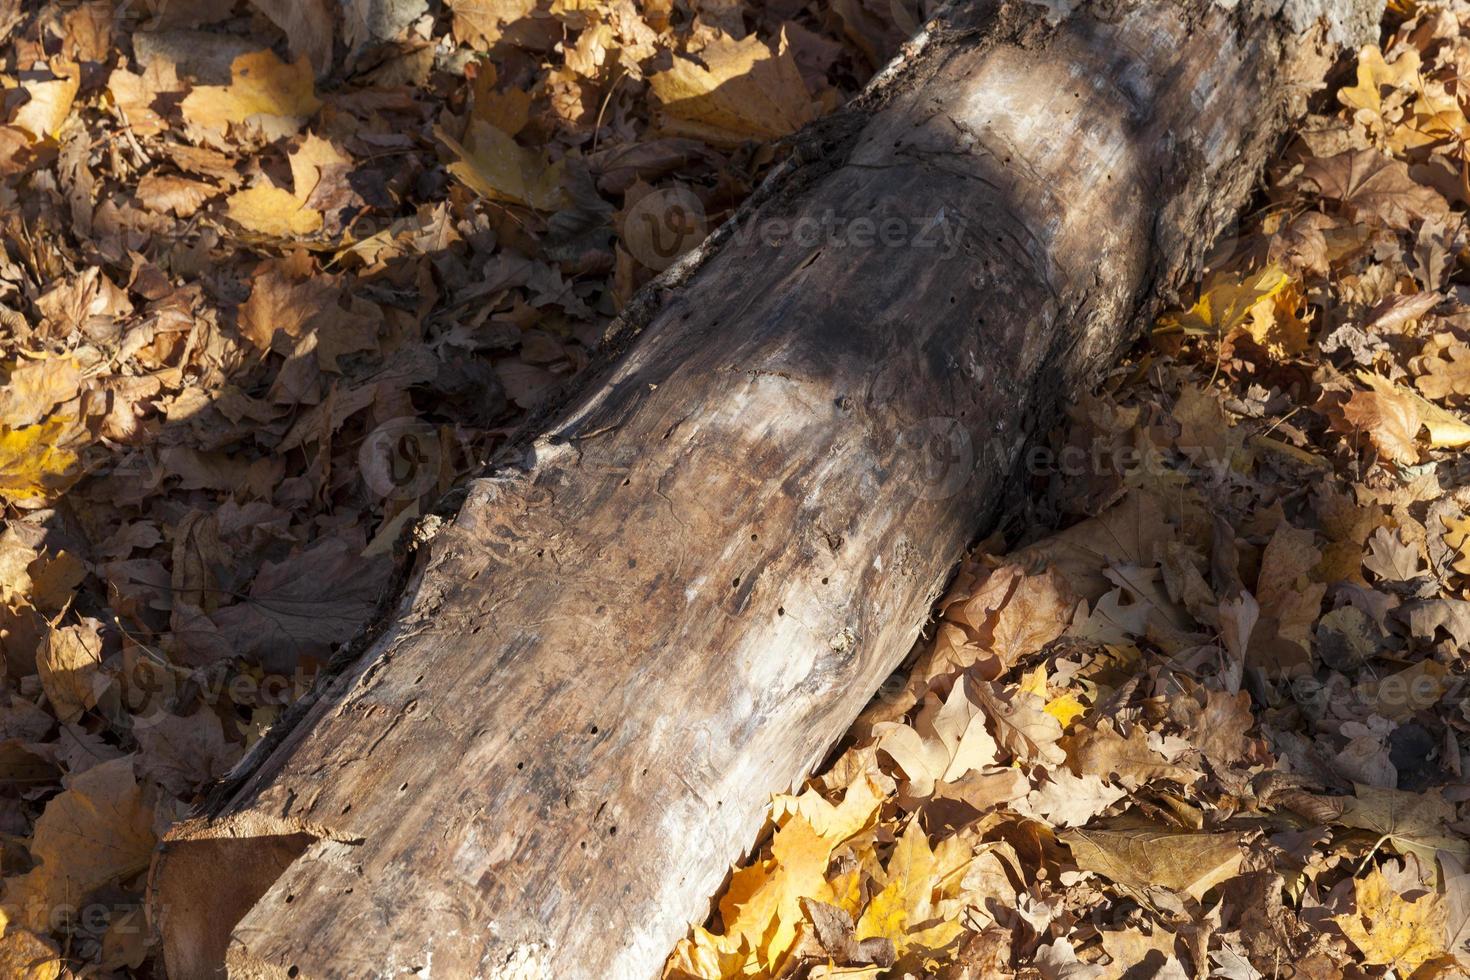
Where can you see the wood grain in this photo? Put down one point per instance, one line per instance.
(618, 650)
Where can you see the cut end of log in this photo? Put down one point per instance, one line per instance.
(204, 880)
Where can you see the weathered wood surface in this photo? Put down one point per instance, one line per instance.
(545, 764)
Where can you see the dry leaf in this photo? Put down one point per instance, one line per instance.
(1411, 823)
(34, 386)
(25, 955)
(479, 23)
(309, 26)
(1374, 74)
(1102, 751)
(1225, 303)
(1020, 721)
(265, 93)
(946, 741)
(70, 665)
(1390, 930)
(39, 461)
(743, 90)
(98, 831)
(1144, 858)
(494, 165)
(905, 912)
(1373, 185)
(49, 106)
(271, 210)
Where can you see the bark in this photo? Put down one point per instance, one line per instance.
(608, 660)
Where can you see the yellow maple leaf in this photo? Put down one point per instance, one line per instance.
(264, 91)
(494, 165)
(743, 90)
(709, 956)
(1065, 707)
(834, 823)
(762, 906)
(1224, 303)
(1274, 324)
(1391, 931)
(1375, 73)
(35, 385)
(38, 461)
(1457, 536)
(25, 955)
(271, 210)
(904, 911)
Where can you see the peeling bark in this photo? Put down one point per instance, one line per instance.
(686, 591)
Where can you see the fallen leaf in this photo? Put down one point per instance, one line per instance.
(1411, 823)
(49, 106)
(97, 831)
(1457, 538)
(272, 210)
(1225, 302)
(494, 165)
(1371, 184)
(309, 26)
(70, 665)
(1374, 74)
(1103, 752)
(479, 23)
(1141, 859)
(1066, 800)
(25, 955)
(857, 811)
(762, 905)
(39, 461)
(743, 90)
(1390, 930)
(904, 911)
(265, 93)
(947, 740)
(1022, 726)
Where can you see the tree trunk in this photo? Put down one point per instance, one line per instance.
(545, 763)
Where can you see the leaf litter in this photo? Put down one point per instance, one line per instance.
(275, 280)
(1194, 710)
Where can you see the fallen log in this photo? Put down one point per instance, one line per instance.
(545, 762)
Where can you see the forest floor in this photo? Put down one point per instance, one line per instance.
(276, 277)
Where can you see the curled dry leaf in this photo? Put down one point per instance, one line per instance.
(1022, 726)
(70, 664)
(947, 740)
